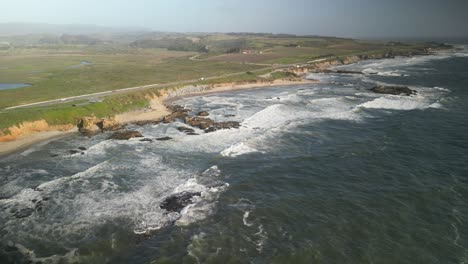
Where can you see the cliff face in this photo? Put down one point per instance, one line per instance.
(89, 125)
(27, 128)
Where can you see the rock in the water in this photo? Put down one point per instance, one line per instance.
(186, 129)
(210, 129)
(200, 122)
(125, 135)
(177, 202)
(164, 138)
(24, 212)
(192, 134)
(203, 113)
(209, 125)
(227, 125)
(82, 148)
(146, 140)
(73, 151)
(395, 90)
(177, 112)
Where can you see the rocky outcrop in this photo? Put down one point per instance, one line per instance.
(203, 113)
(177, 202)
(395, 90)
(90, 125)
(208, 125)
(125, 135)
(186, 129)
(177, 112)
(227, 125)
(200, 122)
(109, 125)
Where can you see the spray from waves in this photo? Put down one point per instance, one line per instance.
(78, 205)
(238, 150)
(380, 72)
(399, 103)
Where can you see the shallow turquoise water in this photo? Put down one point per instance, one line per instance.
(327, 173)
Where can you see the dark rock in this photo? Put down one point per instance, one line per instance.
(164, 138)
(73, 151)
(209, 125)
(82, 153)
(146, 140)
(210, 129)
(172, 117)
(192, 134)
(227, 125)
(147, 122)
(203, 113)
(395, 90)
(24, 212)
(200, 122)
(229, 115)
(177, 108)
(348, 72)
(54, 155)
(177, 202)
(185, 129)
(82, 148)
(125, 135)
(177, 112)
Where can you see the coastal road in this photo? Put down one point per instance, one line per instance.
(100, 95)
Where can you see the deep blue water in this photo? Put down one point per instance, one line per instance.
(326, 173)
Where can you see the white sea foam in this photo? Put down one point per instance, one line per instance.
(244, 219)
(382, 72)
(238, 150)
(396, 103)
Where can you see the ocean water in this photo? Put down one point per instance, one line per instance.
(318, 173)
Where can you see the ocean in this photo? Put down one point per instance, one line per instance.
(317, 173)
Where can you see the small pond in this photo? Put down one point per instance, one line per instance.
(7, 86)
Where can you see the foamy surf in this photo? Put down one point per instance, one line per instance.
(238, 150)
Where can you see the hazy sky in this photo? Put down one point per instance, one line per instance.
(349, 18)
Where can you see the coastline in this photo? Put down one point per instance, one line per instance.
(26, 141)
(158, 109)
(229, 87)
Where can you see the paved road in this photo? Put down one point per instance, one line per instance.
(100, 95)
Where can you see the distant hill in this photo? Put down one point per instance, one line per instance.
(12, 29)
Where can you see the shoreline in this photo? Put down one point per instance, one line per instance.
(158, 109)
(26, 141)
(232, 87)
